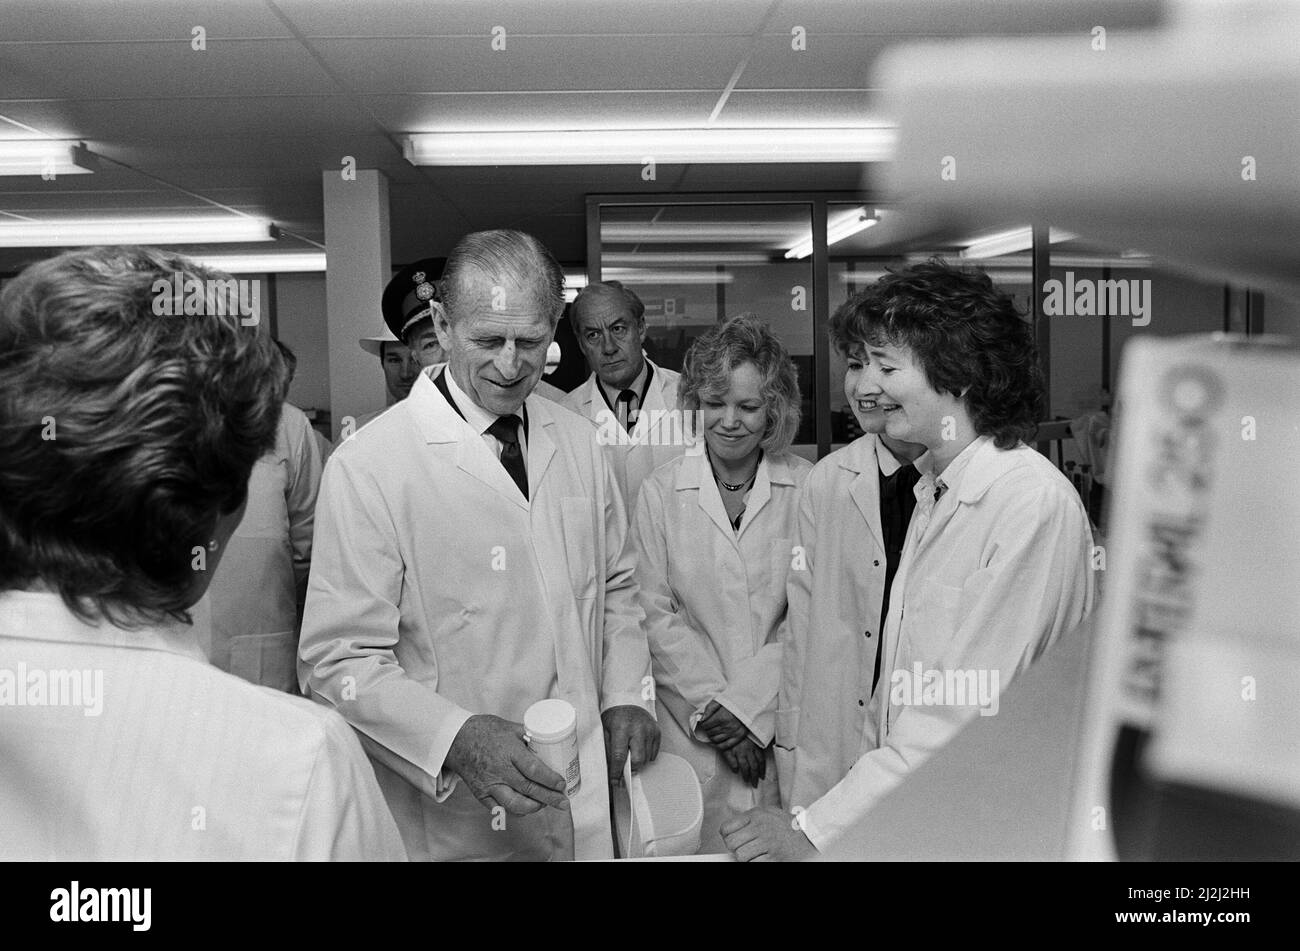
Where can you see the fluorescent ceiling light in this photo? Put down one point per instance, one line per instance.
(1058, 259)
(1019, 275)
(44, 157)
(1072, 260)
(639, 146)
(636, 275)
(574, 281)
(1009, 242)
(843, 227)
(697, 232)
(79, 233)
(862, 277)
(290, 262)
(684, 258)
(1097, 260)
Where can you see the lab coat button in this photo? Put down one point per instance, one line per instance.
(868, 633)
(861, 703)
(876, 563)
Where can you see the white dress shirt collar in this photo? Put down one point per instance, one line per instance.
(637, 386)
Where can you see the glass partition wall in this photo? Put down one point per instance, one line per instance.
(792, 259)
(694, 263)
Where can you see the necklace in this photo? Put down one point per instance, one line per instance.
(739, 485)
(733, 488)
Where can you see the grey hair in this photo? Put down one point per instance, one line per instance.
(500, 256)
(745, 339)
(611, 291)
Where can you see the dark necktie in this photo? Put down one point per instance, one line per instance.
(506, 431)
(897, 501)
(626, 416)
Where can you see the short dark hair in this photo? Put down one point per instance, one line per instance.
(385, 344)
(124, 432)
(967, 336)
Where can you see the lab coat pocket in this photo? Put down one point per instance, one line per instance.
(930, 622)
(266, 659)
(579, 545)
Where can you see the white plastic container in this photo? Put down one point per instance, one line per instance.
(551, 731)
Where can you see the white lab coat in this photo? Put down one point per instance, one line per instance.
(542, 389)
(182, 762)
(366, 418)
(990, 576)
(257, 594)
(830, 633)
(714, 599)
(655, 439)
(437, 591)
(322, 444)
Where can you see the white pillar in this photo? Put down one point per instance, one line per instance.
(359, 267)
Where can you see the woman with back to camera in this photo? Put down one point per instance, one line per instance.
(126, 443)
(713, 531)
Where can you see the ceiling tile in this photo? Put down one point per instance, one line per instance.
(827, 62)
(455, 64)
(962, 17)
(65, 20)
(448, 17)
(763, 108)
(146, 70)
(158, 122)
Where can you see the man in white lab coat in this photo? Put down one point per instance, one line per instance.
(996, 563)
(632, 400)
(433, 630)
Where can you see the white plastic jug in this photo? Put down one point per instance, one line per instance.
(660, 810)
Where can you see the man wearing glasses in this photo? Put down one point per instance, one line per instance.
(633, 401)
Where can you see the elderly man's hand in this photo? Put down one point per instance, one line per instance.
(765, 834)
(629, 729)
(722, 727)
(490, 756)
